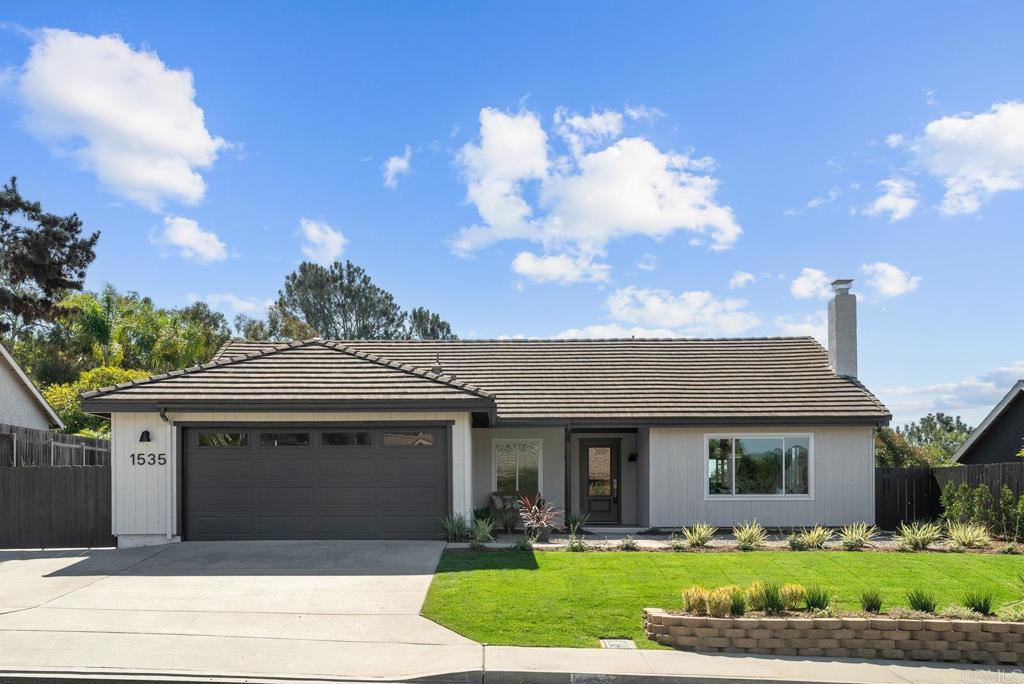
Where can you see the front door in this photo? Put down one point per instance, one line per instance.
(599, 464)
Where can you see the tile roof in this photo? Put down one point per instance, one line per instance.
(761, 380)
(310, 371)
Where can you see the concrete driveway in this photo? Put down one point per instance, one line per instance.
(342, 609)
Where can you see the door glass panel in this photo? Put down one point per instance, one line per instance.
(599, 471)
(223, 439)
(408, 439)
(278, 439)
(349, 438)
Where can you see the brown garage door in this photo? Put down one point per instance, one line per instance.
(363, 482)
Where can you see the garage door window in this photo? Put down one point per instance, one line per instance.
(408, 439)
(284, 439)
(223, 439)
(349, 438)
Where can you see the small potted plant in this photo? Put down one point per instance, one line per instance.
(539, 517)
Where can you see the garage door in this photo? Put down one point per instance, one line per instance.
(325, 483)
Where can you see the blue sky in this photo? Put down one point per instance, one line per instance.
(666, 169)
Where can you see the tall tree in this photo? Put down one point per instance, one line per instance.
(938, 434)
(42, 256)
(341, 302)
(892, 450)
(426, 325)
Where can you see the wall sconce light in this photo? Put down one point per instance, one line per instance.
(144, 437)
(633, 457)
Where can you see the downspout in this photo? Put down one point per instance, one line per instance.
(568, 469)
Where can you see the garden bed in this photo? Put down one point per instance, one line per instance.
(936, 638)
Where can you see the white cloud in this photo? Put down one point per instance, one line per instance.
(583, 132)
(191, 241)
(121, 113)
(581, 203)
(644, 113)
(559, 268)
(810, 284)
(694, 313)
(975, 155)
(888, 280)
(396, 166)
(895, 140)
(611, 330)
(971, 397)
(898, 200)
(226, 301)
(647, 262)
(812, 325)
(741, 279)
(322, 244)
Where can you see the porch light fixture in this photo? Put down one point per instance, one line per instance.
(144, 437)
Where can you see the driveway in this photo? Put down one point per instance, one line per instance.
(294, 608)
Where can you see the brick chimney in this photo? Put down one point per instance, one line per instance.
(842, 329)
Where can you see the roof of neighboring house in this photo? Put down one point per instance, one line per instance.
(679, 381)
(310, 373)
(990, 419)
(42, 404)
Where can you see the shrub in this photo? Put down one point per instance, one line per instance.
(967, 535)
(538, 514)
(577, 544)
(575, 522)
(627, 543)
(979, 601)
(676, 542)
(856, 536)
(483, 513)
(481, 532)
(766, 596)
(719, 601)
(871, 601)
(1005, 521)
(921, 600)
(699, 535)
(1011, 613)
(695, 600)
(522, 544)
(755, 596)
(749, 536)
(737, 601)
(917, 536)
(817, 597)
(792, 595)
(956, 612)
(956, 503)
(816, 537)
(796, 541)
(981, 505)
(456, 527)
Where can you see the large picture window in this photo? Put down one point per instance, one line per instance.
(759, 465)
(517, 466)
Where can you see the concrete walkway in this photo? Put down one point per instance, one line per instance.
(314, 611)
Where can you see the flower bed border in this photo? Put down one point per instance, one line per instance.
(969, 641)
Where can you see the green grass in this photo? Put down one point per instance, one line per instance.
(564, 599)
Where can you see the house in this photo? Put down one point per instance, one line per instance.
(381, 438)
(21, 404)
(1000, 436)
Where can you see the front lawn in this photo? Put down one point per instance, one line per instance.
(573, 599)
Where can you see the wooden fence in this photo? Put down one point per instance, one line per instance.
(44, 507)
(908, 494)
(21, 446)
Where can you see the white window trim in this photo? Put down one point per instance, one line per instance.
(540, 460)
(708, 496)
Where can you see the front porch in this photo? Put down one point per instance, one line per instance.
(600, 472)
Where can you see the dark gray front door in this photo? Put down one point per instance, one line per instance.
(344, 482)
(599, 465)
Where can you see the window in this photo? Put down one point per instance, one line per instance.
(408, 439)
(223, 439)
(350, 438)
(759, 465)
(279, 439)
(517, 466)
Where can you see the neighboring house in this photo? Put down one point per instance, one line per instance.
(21, 404)
(1000, 436)
(337, 439)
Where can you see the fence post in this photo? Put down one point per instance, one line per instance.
(14, 447)
(52, 448)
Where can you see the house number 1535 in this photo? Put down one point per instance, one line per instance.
(149, 459)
